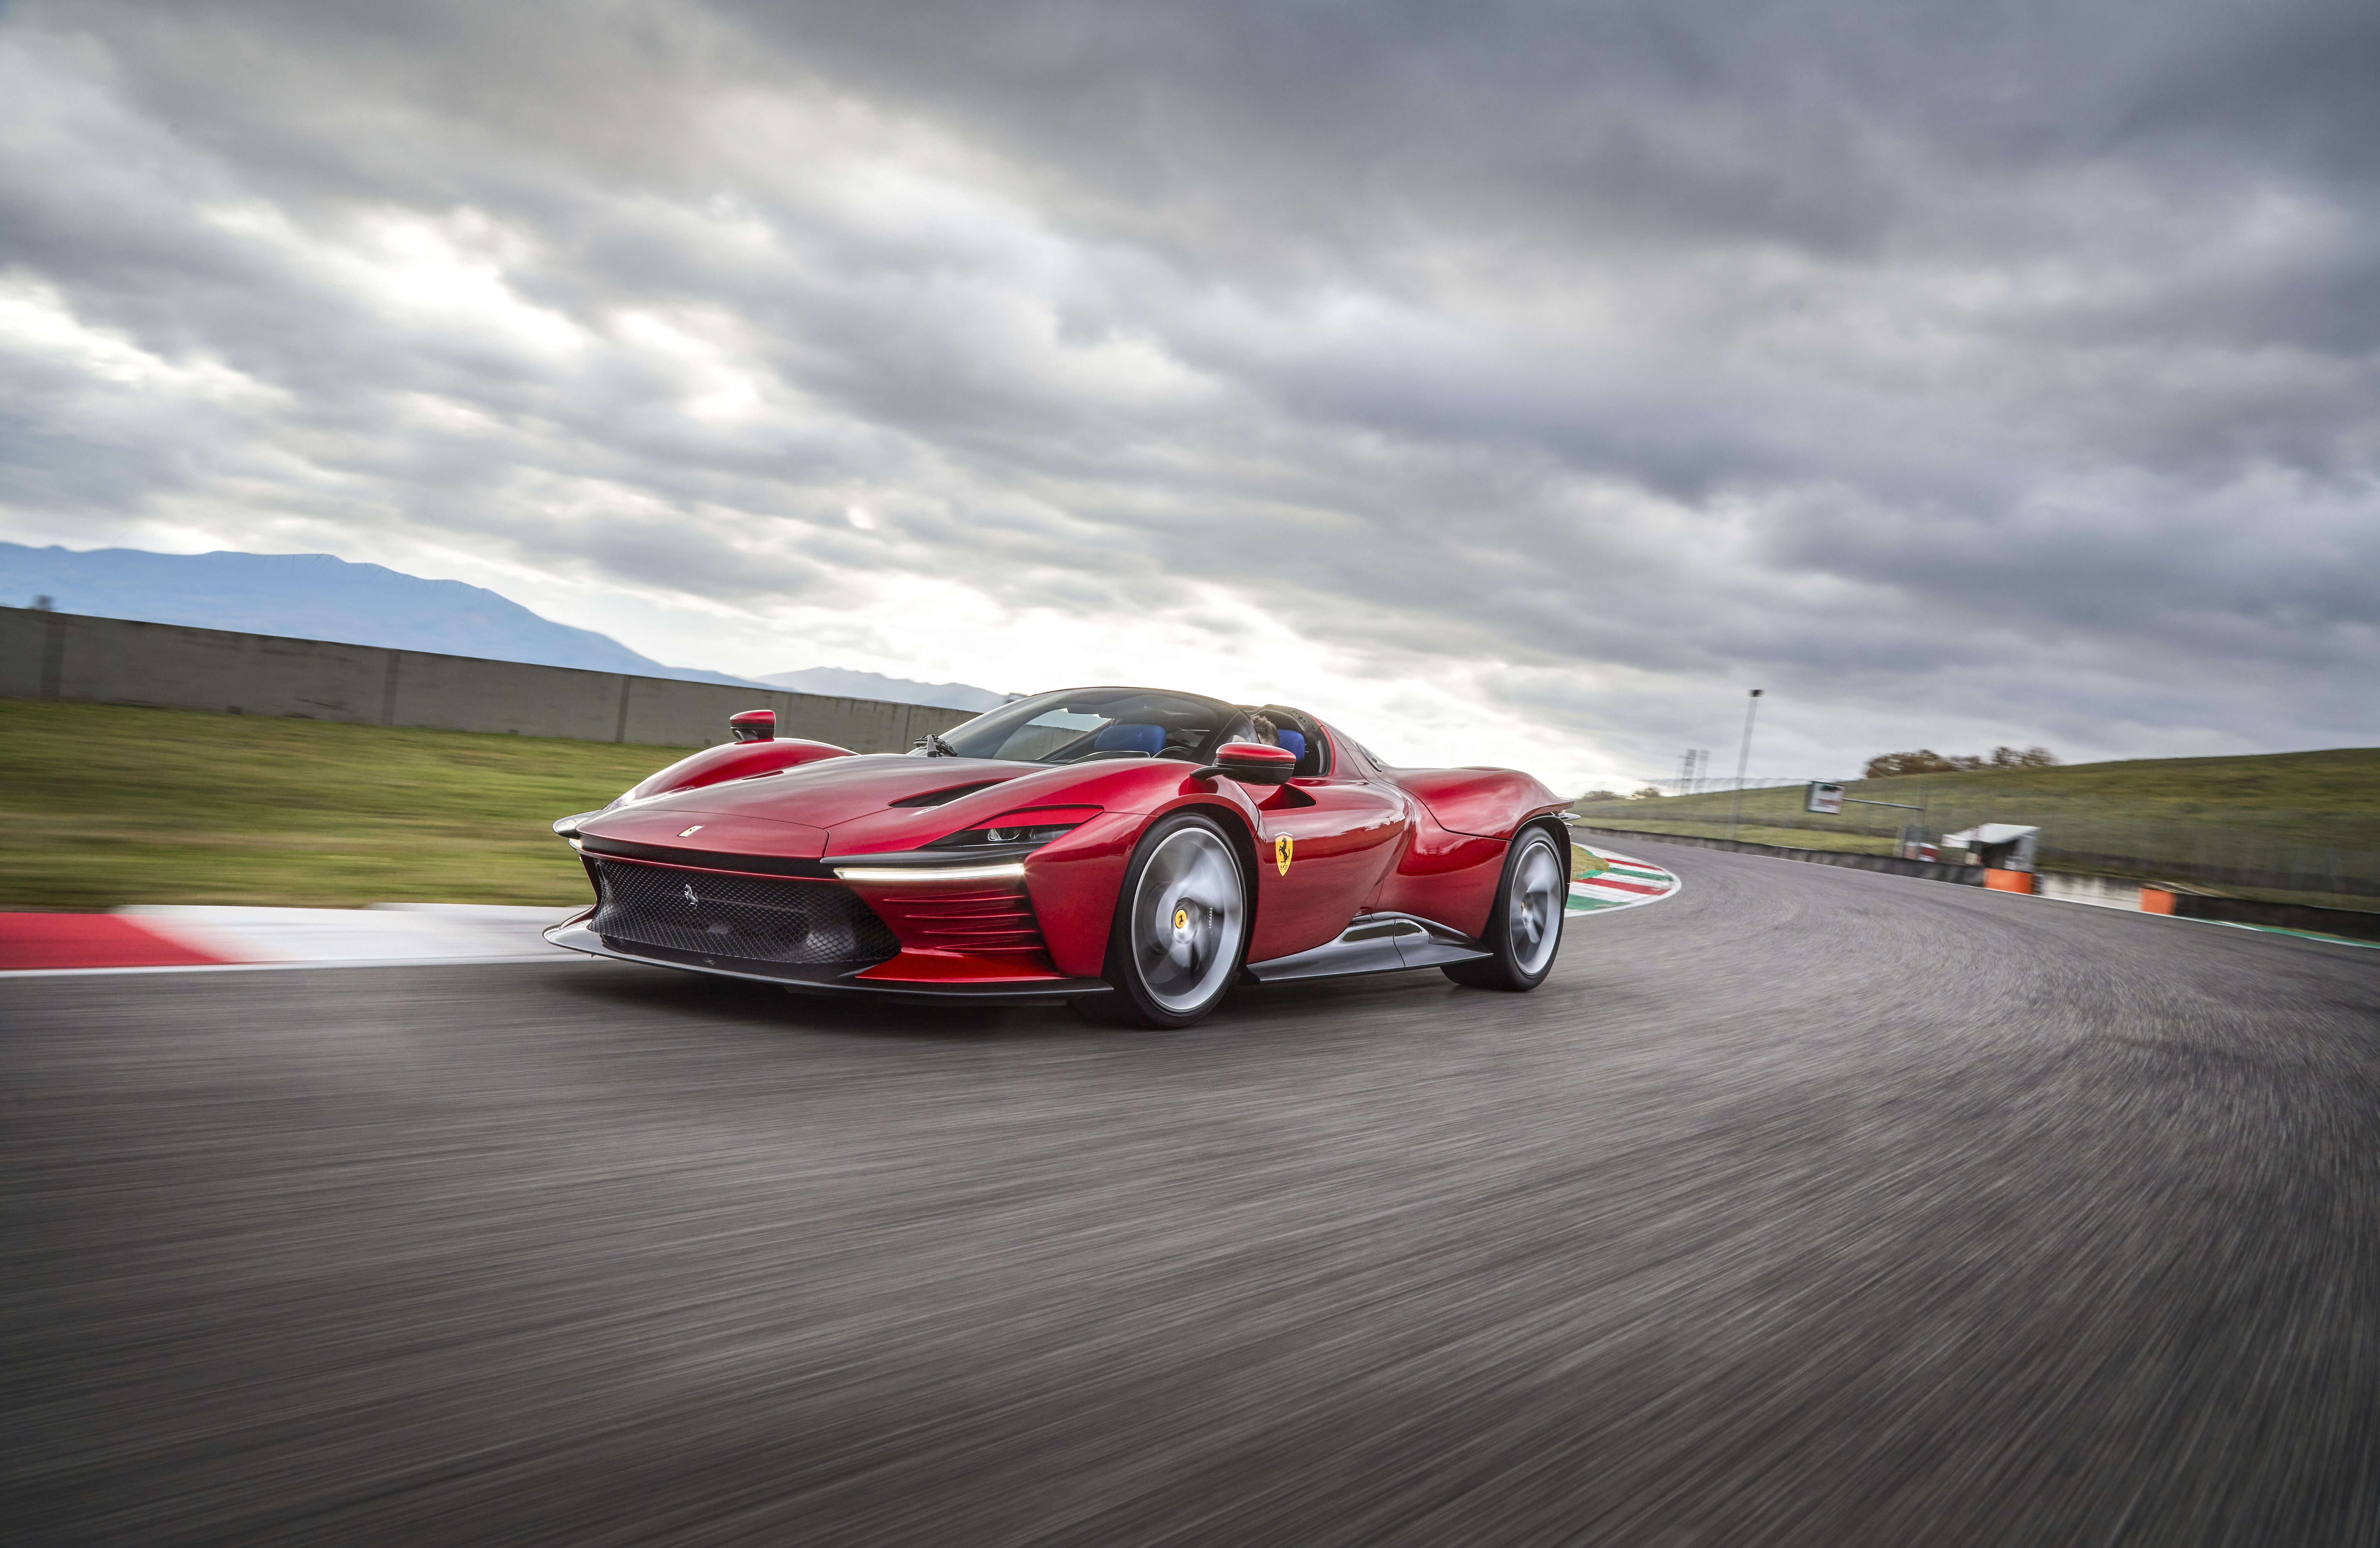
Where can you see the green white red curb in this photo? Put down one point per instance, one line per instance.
(1604, 880)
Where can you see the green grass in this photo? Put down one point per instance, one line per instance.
(101, 805)
(2337, 779)
(1749, 832)
(2303, 827)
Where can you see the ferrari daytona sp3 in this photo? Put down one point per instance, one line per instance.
(1134, 851)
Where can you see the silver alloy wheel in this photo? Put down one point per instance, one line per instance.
(1533, 914)
(1187, 916)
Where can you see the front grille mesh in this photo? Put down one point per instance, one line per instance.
(811, 923)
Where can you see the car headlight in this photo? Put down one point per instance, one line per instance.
(1004, 837)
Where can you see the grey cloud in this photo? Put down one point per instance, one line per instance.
(2012, 363)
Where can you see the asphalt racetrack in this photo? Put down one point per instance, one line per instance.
(1810, 1206)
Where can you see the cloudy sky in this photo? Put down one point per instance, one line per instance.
(1512, 381)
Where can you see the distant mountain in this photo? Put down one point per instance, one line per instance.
(314, 596)
(839, 683)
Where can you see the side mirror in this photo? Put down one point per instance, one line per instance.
(1251, 763)
(754, 725)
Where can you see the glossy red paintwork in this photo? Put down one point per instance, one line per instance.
(991, 915)
(1362, 839)
(736, 760)
(1268, 764)
(937, 968)
(1073, 883)
(664, 824)
(1490, 803)
(882, 829)
(1339, 848)
(1446, 877)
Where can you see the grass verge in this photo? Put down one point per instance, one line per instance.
(2288, 826)
(106, 806)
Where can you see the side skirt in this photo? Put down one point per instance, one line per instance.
(1373, 943)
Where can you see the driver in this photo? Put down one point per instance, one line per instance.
(1242, 727)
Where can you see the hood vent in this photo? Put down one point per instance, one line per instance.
(944, 797)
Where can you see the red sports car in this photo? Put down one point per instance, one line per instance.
(1134, 851)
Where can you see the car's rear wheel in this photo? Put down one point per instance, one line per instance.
(1180, 927)
(1525, 930)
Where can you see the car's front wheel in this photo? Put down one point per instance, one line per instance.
(1524, 931)
(1180, 926)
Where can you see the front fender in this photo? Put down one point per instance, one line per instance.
(1075, 881)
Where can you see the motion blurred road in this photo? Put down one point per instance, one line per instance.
(1809, 1207)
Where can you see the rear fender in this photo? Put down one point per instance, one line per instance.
(1560, 830)
(1442, 875)
(1487, 803)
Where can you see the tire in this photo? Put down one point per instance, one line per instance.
(1524, 929)
(1180, 930)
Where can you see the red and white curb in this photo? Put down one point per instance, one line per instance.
(1606, 879)
(175, 937)
(170, 937)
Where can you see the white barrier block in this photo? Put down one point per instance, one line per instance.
(2098, 891)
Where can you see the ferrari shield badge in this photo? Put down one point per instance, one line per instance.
(691, 831)
(1282, 852)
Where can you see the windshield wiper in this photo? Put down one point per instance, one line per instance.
(935, 747)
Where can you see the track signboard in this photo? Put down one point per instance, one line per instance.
(1826, 798)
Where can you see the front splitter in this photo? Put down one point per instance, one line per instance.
(573, 935)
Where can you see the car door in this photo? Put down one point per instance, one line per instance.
(1324, 842)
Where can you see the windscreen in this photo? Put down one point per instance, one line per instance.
(1075, 725)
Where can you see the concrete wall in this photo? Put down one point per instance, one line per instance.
(111, 661)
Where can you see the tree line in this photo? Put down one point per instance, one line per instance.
(1924, 760)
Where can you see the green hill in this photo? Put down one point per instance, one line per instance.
(2301, 826)
(2335, 779)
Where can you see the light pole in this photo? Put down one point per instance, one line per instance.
(1742, 762)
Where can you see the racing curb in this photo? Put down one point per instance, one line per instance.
(178, 939)
(1604, 880)
(175, 938)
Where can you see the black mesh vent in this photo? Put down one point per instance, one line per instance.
(944, 797)
(754, 918)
